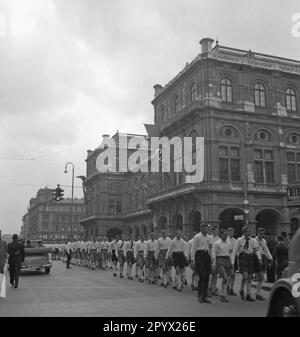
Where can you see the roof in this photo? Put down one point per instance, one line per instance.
(239, 56)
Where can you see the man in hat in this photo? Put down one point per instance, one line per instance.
(16, 253)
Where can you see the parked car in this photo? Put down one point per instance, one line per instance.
(37, 257)
(285, 294)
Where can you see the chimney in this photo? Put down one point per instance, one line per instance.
(206, 44)
(105, 136)
(157, 89)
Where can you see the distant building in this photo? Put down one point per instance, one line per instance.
(52, 221)
(7, 237)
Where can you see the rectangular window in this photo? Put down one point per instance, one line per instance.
(223, 163)
(111, 203)
(229, 163)
(119, 203)
(269, 172)
(293, 167)
(263, 166)
(235, 170)
(258, 171)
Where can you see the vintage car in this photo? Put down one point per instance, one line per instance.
(37, 257)
(285, 293)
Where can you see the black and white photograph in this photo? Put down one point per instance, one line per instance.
(149, 161)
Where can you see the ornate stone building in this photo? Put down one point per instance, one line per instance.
(246, 105)
(53, 221)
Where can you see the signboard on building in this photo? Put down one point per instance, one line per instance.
(293, 195)
(238, 217)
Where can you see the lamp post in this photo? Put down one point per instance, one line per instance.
(66, 171)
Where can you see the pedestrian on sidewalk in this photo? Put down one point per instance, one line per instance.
(69, 254)
(214, 273)
(245, 249)
(201, 261)
(3, 256)
(178, 251)
(120, 254)
(16, 253)
(281, 256)
(221, 262)
(129, 248)
(163, 244)
(270, 268)
(260, 268)
(150, 256)
(233, 269)
(139, 250)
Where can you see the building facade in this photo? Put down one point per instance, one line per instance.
(53, 221)
(246, 105)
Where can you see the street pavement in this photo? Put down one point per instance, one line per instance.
(84, 292)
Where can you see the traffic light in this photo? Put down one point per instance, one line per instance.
(58, 194)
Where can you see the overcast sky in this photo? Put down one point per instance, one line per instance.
(72, 70)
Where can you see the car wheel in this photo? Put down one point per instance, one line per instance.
(47, 270)
(286, 306)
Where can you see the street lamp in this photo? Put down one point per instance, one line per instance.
(66, 171)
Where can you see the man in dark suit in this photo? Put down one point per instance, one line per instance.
(16, 253)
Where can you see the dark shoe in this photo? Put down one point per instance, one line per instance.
(205, 300)
(200, 299)
(260, 298)
(232, 293)
(165, 285)
(174, 287)
(115, 274)
(242, 295)
(180, 288)
(215, 292)
(121, 276)
(223, 299)
(16, 286)
(192, 287)
(249, 299)
(12, 284)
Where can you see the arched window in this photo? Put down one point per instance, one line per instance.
(226, 90)
(193, 92)
(260, 95)
(290, 98)
(177, 104)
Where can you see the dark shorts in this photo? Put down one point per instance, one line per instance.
(150, 260)
(246, 264)
(114, 257)
(140, 261)
(121, 257)
(179, 260)
(223, 265)
(130, 258)
(104, 254)
(258, 268)
(162, 258)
